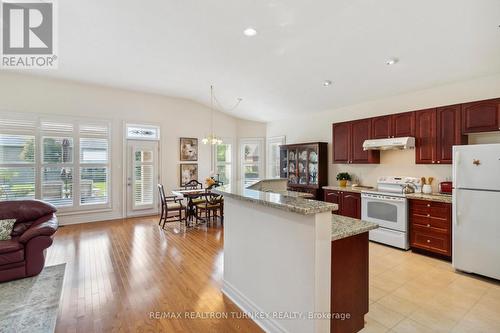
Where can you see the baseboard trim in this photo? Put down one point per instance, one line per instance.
(247, 306)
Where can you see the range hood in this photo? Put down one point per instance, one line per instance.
(390, 144)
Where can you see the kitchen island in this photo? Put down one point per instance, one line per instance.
(292, 266)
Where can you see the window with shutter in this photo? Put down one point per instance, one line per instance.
(48, 158)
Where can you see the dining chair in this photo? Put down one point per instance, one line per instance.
(169, 204)
(212, 207)
(193, 185)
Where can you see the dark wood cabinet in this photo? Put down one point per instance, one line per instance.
(430, 227)
(341, 142)
(483, 116)
(437, 131)
(403, 124)
(382, 127)
(425, 138)
(360, 131)
(349, 202)
(347, 143)
(305, 165)
(393, 126)
(448, 132)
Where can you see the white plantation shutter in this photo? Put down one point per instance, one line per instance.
(57, 159)
(17, 167)
(143, 179)
(17, 123)
(94, 162)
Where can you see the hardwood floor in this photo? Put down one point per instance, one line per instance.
(120, 272)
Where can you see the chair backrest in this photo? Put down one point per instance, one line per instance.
(213, 199)
(193, 185)
(161, 191)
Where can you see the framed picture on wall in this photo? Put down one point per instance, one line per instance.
(189, 149)
(189, 171)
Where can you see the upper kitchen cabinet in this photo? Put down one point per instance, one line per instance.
(403, 124)
(347, 142)
(382, 127)
(393, 126)
(448, 132)
(437, 131)
(425, 138)
(483, 116)
(341, 142)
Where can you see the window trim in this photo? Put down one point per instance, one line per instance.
(269, 141)
(261, 163)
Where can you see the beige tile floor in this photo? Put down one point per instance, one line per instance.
(410, 292)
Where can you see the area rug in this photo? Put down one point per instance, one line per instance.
(31, 304)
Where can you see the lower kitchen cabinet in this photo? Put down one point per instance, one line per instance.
(349, 202)
(430, 226)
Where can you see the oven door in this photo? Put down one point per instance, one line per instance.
(388, 212)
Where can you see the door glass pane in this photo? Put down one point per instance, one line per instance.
(57, 150)
(17, 149)
(224, 172)
(224, 153)
(251, 153)
(143, 156)
(93, 185)
(57, 186)
(251, 174)
(383, 211)
(302, 166)
(17, 183)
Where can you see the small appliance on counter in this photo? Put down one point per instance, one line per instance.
(446, 187)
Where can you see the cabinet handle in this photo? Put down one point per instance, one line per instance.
(428, 241)
(439, 162)
(433, 162)
(428, 226)
(428, 205)
(428, 215)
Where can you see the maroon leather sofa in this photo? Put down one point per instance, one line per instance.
(24, 254)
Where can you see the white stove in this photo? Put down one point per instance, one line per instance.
(387, 206)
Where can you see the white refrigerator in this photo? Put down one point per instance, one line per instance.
(476, 209)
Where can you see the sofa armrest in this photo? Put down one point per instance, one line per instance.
(44, 226)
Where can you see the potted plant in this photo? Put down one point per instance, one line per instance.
(343, 177)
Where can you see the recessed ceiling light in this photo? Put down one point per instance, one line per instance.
(250, 32)
(391, 61)
(327, 83)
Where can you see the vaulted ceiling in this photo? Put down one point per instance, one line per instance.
(180, 47)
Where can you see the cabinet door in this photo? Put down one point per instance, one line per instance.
(361, 131)
(351, 205)
(483, 116)
(341, 142)
(425, 150)
(403, 124)
(381, 127)
(448, 132)
(333, 197)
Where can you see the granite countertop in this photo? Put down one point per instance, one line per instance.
(355, 189)
(438, 197)
(290, 201)
(343, 227)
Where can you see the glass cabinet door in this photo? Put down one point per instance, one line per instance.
(292, 166)
(302, 165)
(283, 163)
(313, 166)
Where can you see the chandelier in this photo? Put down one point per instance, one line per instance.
(212, 138)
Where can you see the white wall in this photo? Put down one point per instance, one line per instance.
(317, 127)
(176, 117)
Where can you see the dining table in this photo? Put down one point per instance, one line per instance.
(190, 195)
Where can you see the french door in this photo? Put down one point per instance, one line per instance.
(142, 177)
